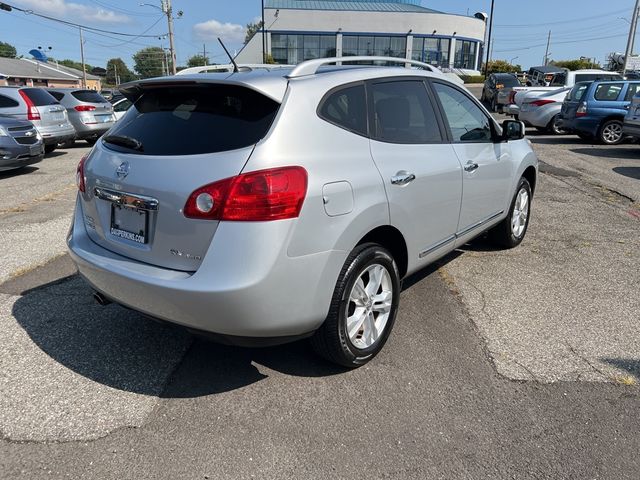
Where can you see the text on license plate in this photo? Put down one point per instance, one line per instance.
(103, 118)
(129, 223)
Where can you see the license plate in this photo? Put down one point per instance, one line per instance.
(35, 150)
(57, 116)
(104, 118)
(129, 223)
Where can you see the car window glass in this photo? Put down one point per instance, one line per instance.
(89, 96)
(578, 92)
(592, 77)
(508, 81)
(39, 97)
(467, 121)
(122, 106)
(403, 113)
(608, 91)
(558, 80)
(634, 89)
(347, 109)
(6, 102)
(57, 95)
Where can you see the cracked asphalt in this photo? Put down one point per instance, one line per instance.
(518, 364)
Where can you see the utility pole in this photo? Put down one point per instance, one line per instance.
(632, 34)
(486, 65)
(204, 55)
(546, 53)
(84, 68)
(115, 73)
(168, 11)
(264, 37)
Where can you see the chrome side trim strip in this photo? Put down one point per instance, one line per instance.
(433, 248)
(479, 224)
(126, 199)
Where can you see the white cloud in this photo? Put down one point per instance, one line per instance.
(74, 11)
(212, 29)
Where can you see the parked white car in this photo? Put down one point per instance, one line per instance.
(121, 107)
(543, 111)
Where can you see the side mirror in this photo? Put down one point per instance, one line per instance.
(512, 130)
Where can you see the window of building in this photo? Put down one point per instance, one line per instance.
(434, 51)
(293, 49)
(404, 113)
(382, 46)
(465, 54)
(468, 124)
(347, 108)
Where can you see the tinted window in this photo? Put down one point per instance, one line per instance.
(559, 80)
(507, 81)
(122, 106)
(6, 102)
(467, 121)
(347, 109)
(592, 77)
(578, 91)
(195, 120)
(39, 96)
(403, 113)
(632, 91)
(57, 95)
(89, 96)
(608, 91)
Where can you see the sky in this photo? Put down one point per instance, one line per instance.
(589, 28)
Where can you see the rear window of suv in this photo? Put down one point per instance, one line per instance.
(40, 97)
(196, 120)
(89, 96)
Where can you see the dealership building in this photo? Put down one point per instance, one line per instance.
(297, 30)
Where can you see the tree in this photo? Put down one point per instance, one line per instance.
(578, 64)
(73, 64)
(117, 66)
(149, 62)
(197, 61)
(502, 66)
(252, 29)
(7, 50)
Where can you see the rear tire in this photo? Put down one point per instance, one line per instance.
(50, 148)
(363, 308)
(511, 231)
(554, 127)
(610, 132)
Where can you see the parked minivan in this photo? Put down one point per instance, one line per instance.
(596, 110)
(269, 206)
(40, 108)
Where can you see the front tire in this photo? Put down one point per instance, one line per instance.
(511, 231)
(363, 308)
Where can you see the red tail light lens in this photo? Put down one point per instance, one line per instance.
(32, 111)
(540, 103)
(80, 182)
(273, 194)
(512, 97)
(84, 108)
(582, 110)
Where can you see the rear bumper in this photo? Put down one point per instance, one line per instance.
(84, 131)
(631, 129)
(17, 156)
(585, 125)
(246, 286)
(513, 110)
(57, 134)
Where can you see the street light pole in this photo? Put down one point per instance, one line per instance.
(486, 65)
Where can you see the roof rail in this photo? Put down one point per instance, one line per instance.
(244, 67)
(310, 67)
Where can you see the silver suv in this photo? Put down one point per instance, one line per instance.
(271, 206)
(40, 108)
(89, 112)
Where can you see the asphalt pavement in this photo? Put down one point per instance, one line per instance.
(517, 364)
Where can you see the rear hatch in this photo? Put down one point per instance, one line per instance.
(634, 111)
(574, 99)
(173, 140)
(50, 111)
(94, 107)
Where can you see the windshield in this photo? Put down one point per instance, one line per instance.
(193, 120)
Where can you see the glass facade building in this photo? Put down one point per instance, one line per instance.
(292, 49)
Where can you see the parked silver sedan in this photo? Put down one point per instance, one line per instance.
(271, 206)
(543, 111)
(89, 112)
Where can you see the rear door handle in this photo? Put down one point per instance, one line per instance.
(402, 178)
(470, 167)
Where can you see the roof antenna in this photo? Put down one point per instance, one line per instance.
(235, 65)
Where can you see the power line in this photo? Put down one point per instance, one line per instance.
(574, 20)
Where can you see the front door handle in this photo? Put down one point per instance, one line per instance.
(470, 167)
(402, 178)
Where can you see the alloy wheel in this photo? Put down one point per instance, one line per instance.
(520, 213)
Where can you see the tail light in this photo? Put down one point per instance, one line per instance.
(512, 97)
(582, 110)
(32, 111)
(80, 182)
(84, 108)
(540, 103)
(272, 194)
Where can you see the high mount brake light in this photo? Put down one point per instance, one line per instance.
(264, 195)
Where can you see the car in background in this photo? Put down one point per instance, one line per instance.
(108, 93)
(631, 123)
(596, 110)
(495, 83)
(89, 112)
(541, 76)
(20, 144)
(121, 107)
(543, 112)
(40, 108)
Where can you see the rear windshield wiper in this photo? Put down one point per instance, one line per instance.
(124, 141)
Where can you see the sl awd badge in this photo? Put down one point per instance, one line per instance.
(123, 170)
